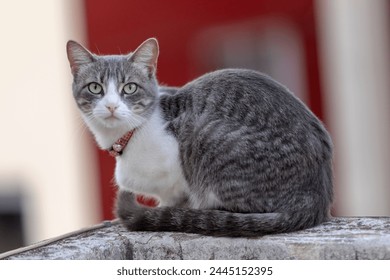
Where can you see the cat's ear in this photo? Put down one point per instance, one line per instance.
(77, 56)
(146, 55)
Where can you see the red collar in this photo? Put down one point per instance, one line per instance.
(117, 148)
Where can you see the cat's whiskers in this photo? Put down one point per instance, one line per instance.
(132, 120)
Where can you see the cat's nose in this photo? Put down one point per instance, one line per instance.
(111, 108)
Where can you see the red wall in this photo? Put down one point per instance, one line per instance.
(119, 26)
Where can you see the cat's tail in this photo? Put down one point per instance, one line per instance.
(212, 222)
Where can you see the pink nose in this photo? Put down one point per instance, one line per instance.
(111, 108)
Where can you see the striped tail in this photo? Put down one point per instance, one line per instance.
(212, 222)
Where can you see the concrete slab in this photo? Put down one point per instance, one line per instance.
(340, 238)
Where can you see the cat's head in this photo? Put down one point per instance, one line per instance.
(114, 92)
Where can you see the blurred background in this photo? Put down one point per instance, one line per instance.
(333, 54)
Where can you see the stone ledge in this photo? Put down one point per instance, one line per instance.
(340, 238)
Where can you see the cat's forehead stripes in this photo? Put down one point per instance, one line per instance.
(111, 68)
(117, 68)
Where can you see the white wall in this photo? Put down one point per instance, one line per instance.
(355, 47)
(43, 145)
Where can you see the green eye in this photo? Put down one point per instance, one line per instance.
(95, 88)
(130, 88)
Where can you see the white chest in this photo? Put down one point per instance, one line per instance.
(150, 165)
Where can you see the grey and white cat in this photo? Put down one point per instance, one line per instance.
(232, 153)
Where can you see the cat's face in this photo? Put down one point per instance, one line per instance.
(117, 91)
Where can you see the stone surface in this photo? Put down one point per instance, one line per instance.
(341, 238)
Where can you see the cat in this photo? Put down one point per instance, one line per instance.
(232, 153)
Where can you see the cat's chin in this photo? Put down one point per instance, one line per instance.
(112, 122)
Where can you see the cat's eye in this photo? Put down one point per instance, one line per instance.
(130, 88)
(95, 88)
